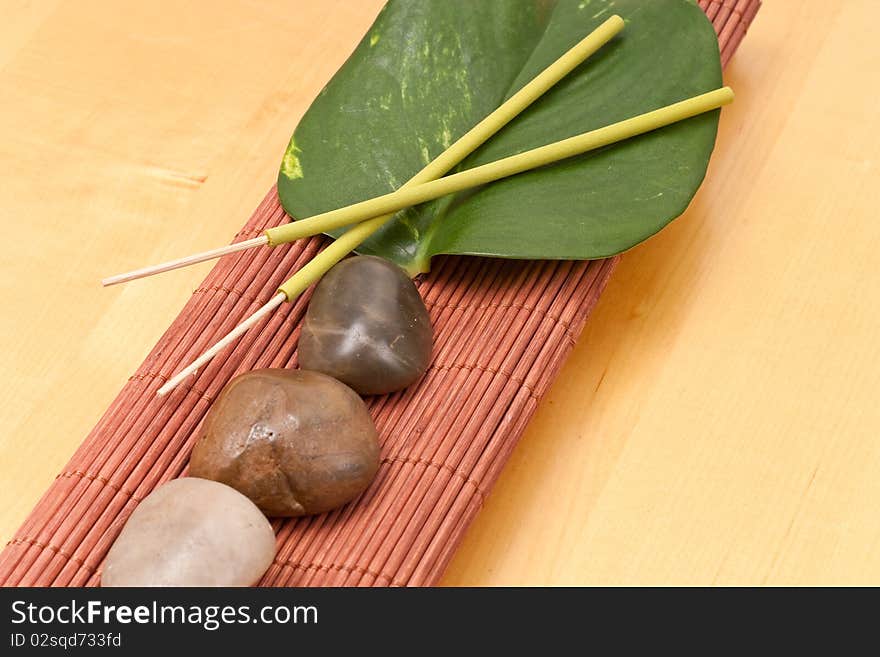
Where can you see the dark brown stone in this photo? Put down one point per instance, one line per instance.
(295, 442)
(367, 326)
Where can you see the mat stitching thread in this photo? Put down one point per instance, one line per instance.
(488, 370)
(148, 375)
(500, 306)
(99, 479)
(186, 386)
(439, 466)
(48, 546)
(327, 568)
(253, 232)
(226, 290)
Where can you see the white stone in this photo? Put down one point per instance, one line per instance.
(191, 532)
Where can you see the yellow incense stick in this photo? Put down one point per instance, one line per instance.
(413, 195)
(448, 159)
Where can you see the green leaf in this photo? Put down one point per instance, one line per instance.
(428, 70)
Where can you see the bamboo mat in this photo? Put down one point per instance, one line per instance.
(502, 331)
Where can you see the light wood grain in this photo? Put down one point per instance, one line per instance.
(719, 419)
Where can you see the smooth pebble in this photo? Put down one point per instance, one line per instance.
(295, 442)
(367, 326)
(191, 532)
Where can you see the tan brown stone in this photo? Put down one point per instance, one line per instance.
(295, 442)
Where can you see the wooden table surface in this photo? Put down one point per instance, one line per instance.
(719, 420)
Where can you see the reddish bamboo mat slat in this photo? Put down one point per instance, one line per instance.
(502, 331)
